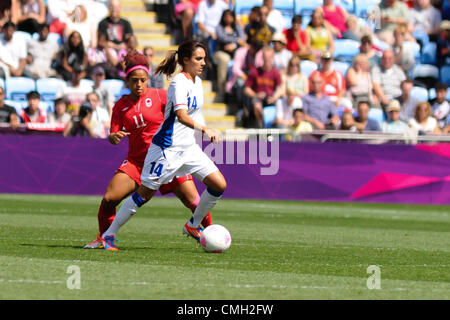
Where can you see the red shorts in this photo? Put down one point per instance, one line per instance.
(133, 170)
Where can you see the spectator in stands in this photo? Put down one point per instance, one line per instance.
(106, 97)
(297, 39)
(300, 125)
(335, 18)
(5, 12)
(28, 14)
(58, 14)
(321, 39)
(154, 80)
(403, 55)
(407, 102)
(443, 45)
(334, 81)
(362, 121)
(13, 52)
(393, 124)
(80, 21)
(114, 27)
(8, 114)
(359, 81)
(393, 13)
(348, 122)
(387, 78)
(75, 91)
(439, 105)
(354, 31)
(32, 113)
(260, 30)
(230, 37)
(285, 107)
(295, 81)
(367, 49)
(245, 58)
(320, 110)
(40, 55)
(103, 56)
(185, 10)
(208, 16)
(426, 18)
(72, 54)
(422, 121)
(263, 86)
(60, 115)
(281, 54)
(275, 18)
(79, 124)
(99, 122)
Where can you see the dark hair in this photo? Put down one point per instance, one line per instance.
(297, 19)
(33, 95)
(222, 19)
(43, 26)
(364, 102)
(9, 24)
(366, 38)
(134, 58)
(185, 50)
(79, 50)
(60, 100)
(440, 86)
(297, 110)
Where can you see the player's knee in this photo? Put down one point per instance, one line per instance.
(110, 201)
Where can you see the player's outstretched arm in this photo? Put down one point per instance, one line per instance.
(116, 137)
(185, 119)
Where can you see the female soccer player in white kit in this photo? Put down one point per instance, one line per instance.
(174, 151)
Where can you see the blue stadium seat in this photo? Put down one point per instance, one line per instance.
(363, 7)
(115, 86)
(307, 66)
(341, 66)
(419, 93)
(244, 6)
(2, 83)
(445, 74)
(25, 36)
(429, 53)
(345, 49)
(18, 87)
(425, 70)
(306, 7)
(269, 115)
(48, 88)
(17, 104)
(414, 47)
(377, 115)
(348, 5)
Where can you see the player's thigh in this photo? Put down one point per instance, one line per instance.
(120, 186)
(215, 181)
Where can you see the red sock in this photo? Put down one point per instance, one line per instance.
(105, 216)
(207, 219)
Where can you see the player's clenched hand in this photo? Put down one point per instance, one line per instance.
(115, 137)
(212, 135)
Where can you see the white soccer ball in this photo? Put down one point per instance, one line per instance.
(215, 238)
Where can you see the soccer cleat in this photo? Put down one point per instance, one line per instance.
(206, 222)
(109, 243)
(195, 233)
(96, 244)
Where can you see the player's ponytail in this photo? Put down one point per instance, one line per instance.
(185, 50)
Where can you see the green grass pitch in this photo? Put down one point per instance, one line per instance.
(280, 250)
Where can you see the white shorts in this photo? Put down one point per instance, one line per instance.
(161, 166)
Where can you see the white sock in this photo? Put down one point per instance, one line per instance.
(207, 202)
(126, 211)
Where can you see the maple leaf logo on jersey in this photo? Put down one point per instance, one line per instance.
(148, 102)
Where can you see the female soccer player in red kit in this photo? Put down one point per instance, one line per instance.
(138, 116)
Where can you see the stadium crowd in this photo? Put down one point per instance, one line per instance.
(321, 68)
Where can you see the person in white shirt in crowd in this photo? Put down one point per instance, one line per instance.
(13, 52)
(285, 107)
(426, 18)
(207, 17)
(439, 105)
(275, 18)
(281, 55)
(60, 115)
(41, 53)
(423, 121)
(403, 55)
(106, 97)
(76, 90)
(393, 124)
(80, 21)
(100, 120)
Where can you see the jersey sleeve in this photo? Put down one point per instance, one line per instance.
(163, 98)
(179, 94)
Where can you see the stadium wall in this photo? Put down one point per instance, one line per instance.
(416, 174)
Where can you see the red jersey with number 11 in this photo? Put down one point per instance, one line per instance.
(141, 119)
